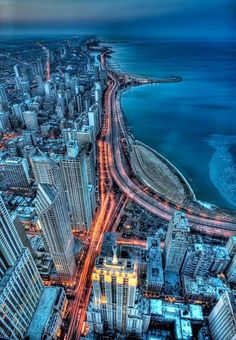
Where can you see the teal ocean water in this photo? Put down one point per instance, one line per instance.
(192, 123)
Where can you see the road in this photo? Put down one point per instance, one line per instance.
(218, 226)
(111, 168)
(101, 224)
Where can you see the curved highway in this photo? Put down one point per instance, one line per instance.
(114, 120)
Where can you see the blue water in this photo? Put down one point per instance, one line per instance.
(192, 123)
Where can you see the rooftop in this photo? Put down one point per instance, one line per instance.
(180, 221)
(179, 313)
(43, 312)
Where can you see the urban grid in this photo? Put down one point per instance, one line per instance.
(100, 238)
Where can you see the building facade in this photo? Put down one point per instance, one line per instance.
(17, 172)
(176, 242)
(114, 305)
(53, 214)
(222, 319)
(20, 282)
(155, 277)
(231, 271)
(75, 182)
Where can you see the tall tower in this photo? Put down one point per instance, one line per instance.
(222, 319)
(53, 214)
(75, 181)
(20, 282)
(176, 242)
(54, 220)
(3, 94)
(17, 172)
(114, 305)
(31, 120)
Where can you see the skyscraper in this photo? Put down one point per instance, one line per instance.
(4, 120)
(222, 319)
(31, 121)
(54, 219)
(231, 246)
(231, 271)
(3, 94)
(154, 279)
(114, 304)
(75, 181)
(53, 214)
(17, 172)
(176, 242)
(20, 282)
(198, 260)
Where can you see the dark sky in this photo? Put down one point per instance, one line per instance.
(121, 18)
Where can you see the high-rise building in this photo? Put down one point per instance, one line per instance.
(54, 220)
(75, 181)
(155, 278)
(31, 121)
(53, 214)
(176, 242)
(198, 260)
(17, 172)
(231, 271)
(231, 246)
(114, 306)
(222, 319)
(4, 120)
(221, 259)
(18, 111)
(3, 94)
(20, 282)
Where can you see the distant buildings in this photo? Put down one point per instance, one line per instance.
(176, 242)
(222, 319)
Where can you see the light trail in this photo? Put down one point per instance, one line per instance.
(204, 224)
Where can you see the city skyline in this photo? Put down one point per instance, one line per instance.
(117, 170)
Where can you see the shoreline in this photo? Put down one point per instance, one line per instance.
(201, 204)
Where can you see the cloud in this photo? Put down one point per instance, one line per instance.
(84, 10)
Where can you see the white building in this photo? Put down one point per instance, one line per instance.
(20, 282)
(53, 214)
(114, 305)
(222, 319)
